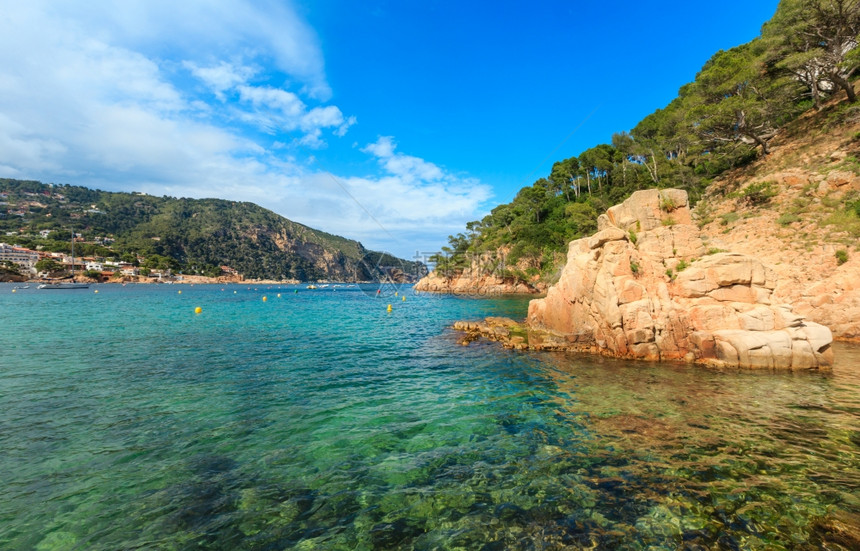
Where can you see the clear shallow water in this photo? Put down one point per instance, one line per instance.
(319, 421)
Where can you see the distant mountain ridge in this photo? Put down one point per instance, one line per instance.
(190, 235)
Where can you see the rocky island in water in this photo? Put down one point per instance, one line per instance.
(646, 287)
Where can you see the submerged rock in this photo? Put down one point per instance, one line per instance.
(643, 287)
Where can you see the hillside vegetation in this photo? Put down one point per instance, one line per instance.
(742, 99)
(193, 236)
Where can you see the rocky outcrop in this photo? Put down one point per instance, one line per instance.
(472, 283)
(8, 276)
(645, 287)
(481, 276)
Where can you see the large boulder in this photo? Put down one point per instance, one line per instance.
(644, 287)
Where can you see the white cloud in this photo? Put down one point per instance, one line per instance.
(403, 166)
(100, 96)
(322, 117)
(272, 98)
(197, 29)
(411, 207)
(341, 130)
(221, 77)
(273, 109)
(382, 148)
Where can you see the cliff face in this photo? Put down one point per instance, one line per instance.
(645, 287)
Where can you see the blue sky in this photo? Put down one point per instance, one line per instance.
(389, 122)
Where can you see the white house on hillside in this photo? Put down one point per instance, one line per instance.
(25, 258)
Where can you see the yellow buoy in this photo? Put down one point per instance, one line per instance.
(404, 299)
(96, 291)
(265, 299)
(14, 290)
(279, 295)
(389, 307)
(395, 293)
(178, 292)
(198, 310)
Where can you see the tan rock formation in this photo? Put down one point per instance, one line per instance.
(482, 277)
(643, 287)
(470, 283)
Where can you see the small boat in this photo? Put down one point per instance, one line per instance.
(312, 286)
(66, 284)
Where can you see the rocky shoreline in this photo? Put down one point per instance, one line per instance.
(645, 287)
(476, 285)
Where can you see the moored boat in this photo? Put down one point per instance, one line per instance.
(66, 284)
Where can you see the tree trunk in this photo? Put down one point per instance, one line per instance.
(652, 171)
(845, 85)
(816, 94)
(759, 141)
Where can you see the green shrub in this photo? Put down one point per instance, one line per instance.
(800, 203)
(634, 267)
(759, 193)
(704, 213)
(728, 218)
(787, 218)
(682, 265)
(841, 257)
(667, 204)
(714, 250)
(633, 237)
(844, 220)
(830, 202)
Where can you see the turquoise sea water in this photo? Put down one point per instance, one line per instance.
(317, 420)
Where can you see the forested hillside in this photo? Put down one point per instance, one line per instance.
(727, 117)
(194, 236)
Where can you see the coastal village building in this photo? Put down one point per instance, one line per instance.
(25, 258)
